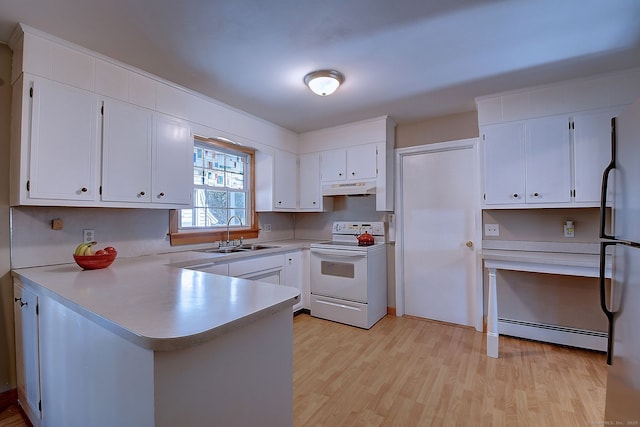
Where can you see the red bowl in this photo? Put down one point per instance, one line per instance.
(94, 262)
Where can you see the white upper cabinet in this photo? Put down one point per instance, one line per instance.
(349, 164)
(63, 142)
(126, 152)
(172, 169)
(504, 163)
(285, 180)
(592, 152)
(528, 162)
(548, 160)
(310, 196)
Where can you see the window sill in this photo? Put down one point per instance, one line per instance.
(199, 236)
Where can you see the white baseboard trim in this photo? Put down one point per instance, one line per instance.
(592, 340)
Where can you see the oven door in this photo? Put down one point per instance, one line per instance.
(339, 273)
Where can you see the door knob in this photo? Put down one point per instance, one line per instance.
(469, 244)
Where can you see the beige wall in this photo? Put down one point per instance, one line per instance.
(439, 129)
(7, 359)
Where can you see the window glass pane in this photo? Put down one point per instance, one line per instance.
(216, 199)
(237, 200)
(235, 164)
(234, 213)
(198, 174)
(197, 157)
(199, 198)
(235, 181)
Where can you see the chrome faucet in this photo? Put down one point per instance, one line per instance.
(229, 222)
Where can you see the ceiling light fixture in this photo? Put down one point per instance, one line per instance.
(324, 82)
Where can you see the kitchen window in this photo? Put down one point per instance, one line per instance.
(223, 192)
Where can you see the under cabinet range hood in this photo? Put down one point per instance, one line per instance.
(349, 189)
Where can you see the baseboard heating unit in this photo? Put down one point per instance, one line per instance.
(582, 338)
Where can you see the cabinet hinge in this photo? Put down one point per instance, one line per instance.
(30, 92)
(28, 185)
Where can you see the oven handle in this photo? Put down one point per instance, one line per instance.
(319, 301)
(342, 253)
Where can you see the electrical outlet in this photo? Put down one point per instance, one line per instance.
(88, 235)
(267, 228)
(491, 229)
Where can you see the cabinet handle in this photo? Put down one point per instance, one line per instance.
(340, 174)
(161, 195)
(141, 193)
(84, 189)
(353, 173)
(279, 202)
(536, 194)
(314, 203)
(515, 195)
(22, 303)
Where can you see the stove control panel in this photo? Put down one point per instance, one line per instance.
(352, 228)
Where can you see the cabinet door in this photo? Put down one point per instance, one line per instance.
(172, 169)
(333, 165)
(27, 348)
(592, 153)
(293, 274)
(548, 160)
(64, 141)
(310, 197)
(504, 164)
(286, 180)
(126, 153)
(362, 162)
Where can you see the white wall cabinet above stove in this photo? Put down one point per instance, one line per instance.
(349, 164)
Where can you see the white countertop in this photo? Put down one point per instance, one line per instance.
(543, 257)
(152, 302)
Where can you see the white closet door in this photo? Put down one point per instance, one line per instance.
(438, 224)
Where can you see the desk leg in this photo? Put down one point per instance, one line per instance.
(492, 316)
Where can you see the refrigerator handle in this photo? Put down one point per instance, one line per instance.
(603, 298)
(605, 183)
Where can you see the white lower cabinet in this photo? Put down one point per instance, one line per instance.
(27, 338)
(293, 275)
(268, 268)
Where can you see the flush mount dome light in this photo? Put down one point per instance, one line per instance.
(324, 82)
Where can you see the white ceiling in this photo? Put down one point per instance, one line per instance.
(409, 59)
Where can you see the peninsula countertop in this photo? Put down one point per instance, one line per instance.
(156, 304)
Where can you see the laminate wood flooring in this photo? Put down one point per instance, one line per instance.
(413, 372)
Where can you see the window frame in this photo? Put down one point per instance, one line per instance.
(250, 230)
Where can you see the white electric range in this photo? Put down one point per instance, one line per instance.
(349, 281)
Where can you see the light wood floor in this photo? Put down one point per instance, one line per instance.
(412, 372)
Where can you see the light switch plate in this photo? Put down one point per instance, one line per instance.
(88, 235)
(492, 230)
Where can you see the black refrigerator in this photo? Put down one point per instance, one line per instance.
(621, 248)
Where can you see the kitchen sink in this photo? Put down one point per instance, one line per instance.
(246, 247)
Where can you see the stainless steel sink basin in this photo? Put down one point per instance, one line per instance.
(247, 247)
